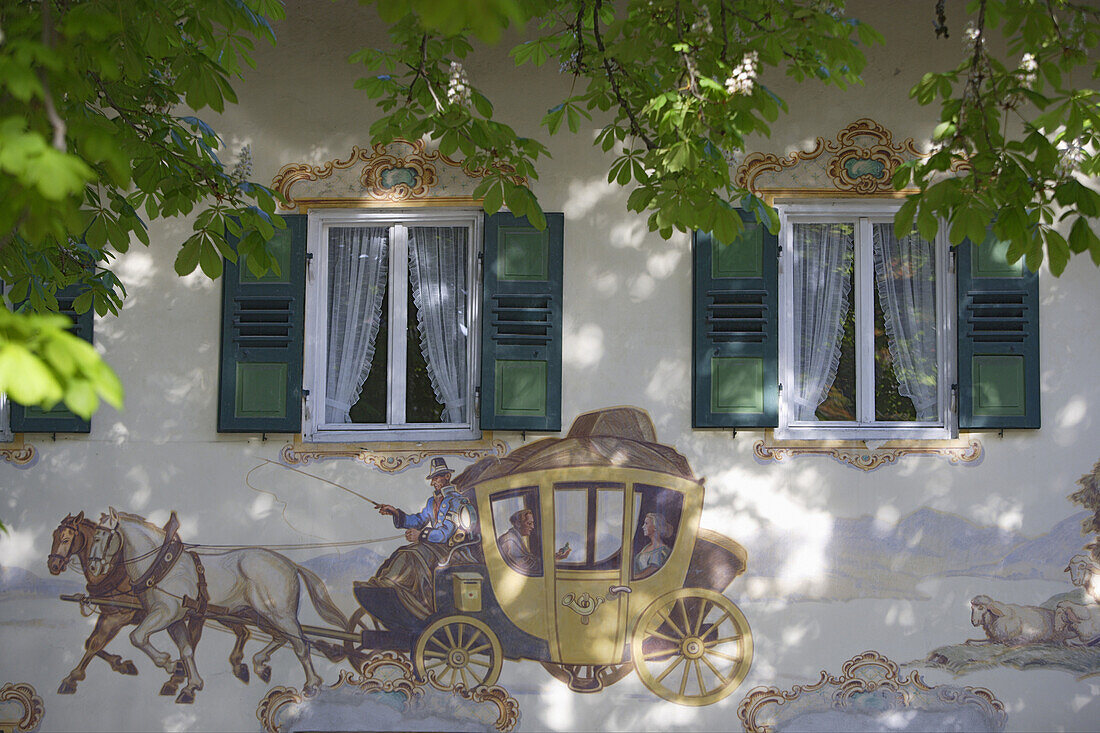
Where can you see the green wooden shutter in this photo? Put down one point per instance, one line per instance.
(263, 320)
(58, 419)
(998, 337)
(735, 380)
(521, 324)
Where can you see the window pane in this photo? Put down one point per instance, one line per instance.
(571, 524)
(421, 405)
(609, 528)
(656, 520)
(519, 529)
(823, 318)
(437, 325)
(371, 406)
(357, 269)
(905, 305)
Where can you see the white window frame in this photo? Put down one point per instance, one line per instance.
(314, 428)
(864, 213)
(6, 436)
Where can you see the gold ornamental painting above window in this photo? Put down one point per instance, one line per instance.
(861, 160)
(398, 174)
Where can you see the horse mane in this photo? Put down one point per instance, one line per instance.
(138, 519)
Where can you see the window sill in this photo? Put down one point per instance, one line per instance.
(858, 454)
(392, 456)
(858, 435)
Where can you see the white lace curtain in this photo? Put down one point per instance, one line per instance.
(822, 266)
(905, 274)
(437, 274)
(357, 265)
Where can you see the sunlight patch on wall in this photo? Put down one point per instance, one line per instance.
(901, 614)
(1072, 414)
(663, 264)
(669, 382)
(261, 506)
(583, 347)
(17, 547)
(1005, 513)
(556, 703)
(642, 288)
(627, 235)
(585, 196)
(179, 722)
(136, 270)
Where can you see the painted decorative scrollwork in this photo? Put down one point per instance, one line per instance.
(400, 172)
(28, 708)
(869, 683)
(395, 458)
(507, 706)
(18, 453)
(863, 160)
(867, 459)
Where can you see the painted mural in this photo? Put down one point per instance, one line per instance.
(1059, 632)
(582, 553)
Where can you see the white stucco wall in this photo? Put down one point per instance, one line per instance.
(627, 342)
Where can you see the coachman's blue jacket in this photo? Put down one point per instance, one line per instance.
(440, 519)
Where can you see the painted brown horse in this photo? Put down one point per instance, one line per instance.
(76, 536)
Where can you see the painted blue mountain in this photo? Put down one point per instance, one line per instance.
(1042, 557)
(863, 557)
(19, 582)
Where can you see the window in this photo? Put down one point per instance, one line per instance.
(518, 529)
(392, 328)
(878, 356)
(656, 520)
(588, 525)
(428, 344)
(866, 341)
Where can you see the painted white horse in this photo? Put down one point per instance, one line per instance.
(1085, 573)
(257, 583)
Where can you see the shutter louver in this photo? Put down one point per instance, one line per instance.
(734, 331)
(58, 419)
(260, 381)
(521, 331)
(998, 339)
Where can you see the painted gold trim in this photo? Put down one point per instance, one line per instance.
(376, 161)
(18, 452)
(765, 708)
(271, 706)
(392, 457)
(844, 150)
(305, 205)
(855, 453)
(33, 707)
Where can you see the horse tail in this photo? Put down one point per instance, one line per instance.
(318, 593)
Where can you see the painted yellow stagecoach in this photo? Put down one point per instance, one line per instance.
(587, 557)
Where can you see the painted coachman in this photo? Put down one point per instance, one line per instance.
(438, 534)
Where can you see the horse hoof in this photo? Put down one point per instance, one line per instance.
(185, 697)
(127, 667)
(241, 673)
(67, 688)
(265, 674)
(169, 688)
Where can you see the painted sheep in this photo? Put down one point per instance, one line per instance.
(1013, 625)
(1079, 622)
(1084, 573)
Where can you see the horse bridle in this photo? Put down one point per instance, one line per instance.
(72, 524)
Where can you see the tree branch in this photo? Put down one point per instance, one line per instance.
(56, 121)
(635, 126)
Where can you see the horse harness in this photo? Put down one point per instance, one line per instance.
(167, 556)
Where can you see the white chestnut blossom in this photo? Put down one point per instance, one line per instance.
(1028, 70)
(458, 86)
(743, 77)
(243, 167)
(972, 35)
(1070, 155)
